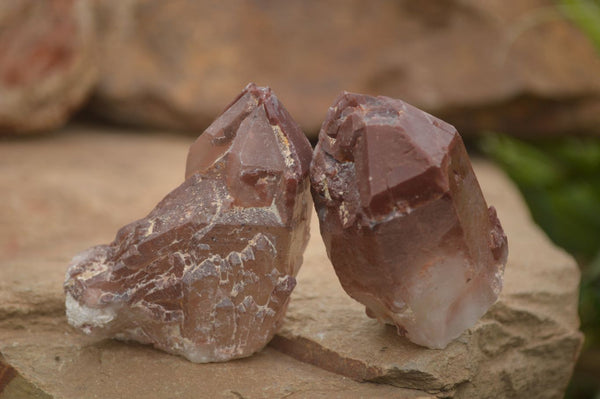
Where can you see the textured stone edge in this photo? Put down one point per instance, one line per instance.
(14, 386)
(308, 351)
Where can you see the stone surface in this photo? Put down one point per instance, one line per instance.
(62, 198)
(494, 65)
(403, 218)
(54, 361)
(47, 66)
(525, 346)
(208, 273)
(59, 197)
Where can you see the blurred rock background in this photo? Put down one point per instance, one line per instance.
(527, 71)
(514, 66)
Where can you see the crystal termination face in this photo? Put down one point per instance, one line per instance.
(208, 273)
(403, 218)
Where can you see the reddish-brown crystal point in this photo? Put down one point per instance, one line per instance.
(403, 218)
(208, 273)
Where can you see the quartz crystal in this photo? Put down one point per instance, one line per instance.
(208, 273)
(403, 218)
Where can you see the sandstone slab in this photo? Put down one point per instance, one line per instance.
(497, 65)
(524, 346)
(50, 212)
(50, 359)
(47, 66)
(59, 197)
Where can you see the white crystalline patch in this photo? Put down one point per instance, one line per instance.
(136, 333)
(344, 214)
(150, 228)
(93, 270)
(442, 302)
(84, 317)
(199, 354)
(275, 211)
(284, 146)
(496, 284)
(82, 256)
(97, 267)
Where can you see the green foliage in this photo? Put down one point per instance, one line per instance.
(589, 302)
(585, 14)
(560, 181)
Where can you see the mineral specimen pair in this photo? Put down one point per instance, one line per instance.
(209, 272)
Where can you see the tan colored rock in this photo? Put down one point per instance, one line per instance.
(498, 65)
(525, 346)
(47, 66)
(13, 385)
(54, 361)
(55, 204)
(60, 197)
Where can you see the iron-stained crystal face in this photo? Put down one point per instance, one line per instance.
(403, 218)
(208, 273)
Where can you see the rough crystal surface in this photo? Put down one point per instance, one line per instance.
(403, 218)
(208, 273)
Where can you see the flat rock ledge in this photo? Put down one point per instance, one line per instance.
(524, 346)
(64, 193)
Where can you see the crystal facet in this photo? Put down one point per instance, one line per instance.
(208, 273)
(403, 218)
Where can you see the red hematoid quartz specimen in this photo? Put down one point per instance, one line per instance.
(208, 273)
(403, 218)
